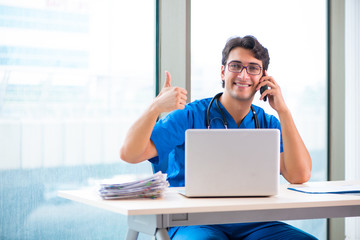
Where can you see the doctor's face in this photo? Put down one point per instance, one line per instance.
(241, 74)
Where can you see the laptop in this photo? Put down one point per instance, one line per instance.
(232, 162)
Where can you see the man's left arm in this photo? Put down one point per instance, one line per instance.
(295, 161)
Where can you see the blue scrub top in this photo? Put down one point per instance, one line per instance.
(169, 133)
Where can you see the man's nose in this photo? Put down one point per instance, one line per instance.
(243, 74)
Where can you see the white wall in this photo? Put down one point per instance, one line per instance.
(352, 100)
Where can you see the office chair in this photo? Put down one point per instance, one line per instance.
(161, 167)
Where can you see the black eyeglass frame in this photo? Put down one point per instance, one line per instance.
(246, 67)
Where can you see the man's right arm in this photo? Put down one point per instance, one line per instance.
(137, 146)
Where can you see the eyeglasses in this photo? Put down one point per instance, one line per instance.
(251, 69)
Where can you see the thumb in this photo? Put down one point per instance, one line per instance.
(167, 80)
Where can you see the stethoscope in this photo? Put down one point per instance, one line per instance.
(216, 99)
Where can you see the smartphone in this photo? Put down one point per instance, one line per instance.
(262, 89)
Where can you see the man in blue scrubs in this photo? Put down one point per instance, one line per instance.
(244, 71)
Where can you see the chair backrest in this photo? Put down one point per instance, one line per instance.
(160, 167)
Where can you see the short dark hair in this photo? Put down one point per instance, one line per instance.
(247, 42)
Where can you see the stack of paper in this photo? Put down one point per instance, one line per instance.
(134, 187)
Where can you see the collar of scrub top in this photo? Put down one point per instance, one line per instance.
(216, 99)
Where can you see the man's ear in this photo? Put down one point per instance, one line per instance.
(222, 72)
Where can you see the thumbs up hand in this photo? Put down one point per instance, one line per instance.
(167, 80)
(170, 98)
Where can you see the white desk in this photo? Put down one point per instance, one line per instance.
(154, 216)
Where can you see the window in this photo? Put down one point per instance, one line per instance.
(70, 86)
(295, 33)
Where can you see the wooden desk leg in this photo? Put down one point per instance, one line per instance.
(132, 234)
(162, 234)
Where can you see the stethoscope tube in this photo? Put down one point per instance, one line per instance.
(216, 99)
